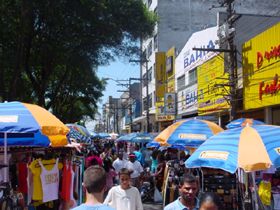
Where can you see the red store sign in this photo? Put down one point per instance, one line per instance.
(271, 88)
(268, 55)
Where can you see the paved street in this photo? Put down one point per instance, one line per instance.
(152, 206)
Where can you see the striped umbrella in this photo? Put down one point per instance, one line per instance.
(242, 122)
(191, 133)
(251, 148)
(30, 125)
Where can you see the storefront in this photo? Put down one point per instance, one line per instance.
(165, 89)
(213, 99)
(261, 71)
(186, 71)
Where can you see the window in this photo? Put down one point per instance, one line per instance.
(181, 82)
(144, 80)
(192, 76)
(156, 11)
(144, 53)
(150, 2)
(150, 48)
(150, 74)
(155, 70)
(145, 103)
(155, 41)
(150, 100)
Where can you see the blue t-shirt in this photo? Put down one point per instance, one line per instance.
(139, 157)
(93, 207)
(177, 205)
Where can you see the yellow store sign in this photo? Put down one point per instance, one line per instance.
(261, 69)
(212, 94)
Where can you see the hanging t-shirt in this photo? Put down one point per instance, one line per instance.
(276, 199)
(67, 182)
(22, 177)
(4, 170)
(35, 168)
(30, 186)
(50, 182)
(265, 192)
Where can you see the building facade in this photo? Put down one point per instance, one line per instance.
(178, 20)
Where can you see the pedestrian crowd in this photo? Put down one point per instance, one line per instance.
(115, 174)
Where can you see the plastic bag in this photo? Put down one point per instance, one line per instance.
(157, 196)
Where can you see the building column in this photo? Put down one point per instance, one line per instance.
(268, 115)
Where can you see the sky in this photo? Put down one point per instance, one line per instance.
(118, 70)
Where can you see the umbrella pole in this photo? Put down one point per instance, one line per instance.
(5, 157)
(255, 191)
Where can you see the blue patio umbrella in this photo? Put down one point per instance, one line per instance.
(30, 125)
(190, 132)
(153, 144)
(78, 136)
(137, 138)
(103, 135)
(251, 148)
(242, 122)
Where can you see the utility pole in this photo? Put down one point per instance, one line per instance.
(231, 50)
(146, 82)
(232, 61)
(130, 103)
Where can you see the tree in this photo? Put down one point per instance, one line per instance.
(49, 50)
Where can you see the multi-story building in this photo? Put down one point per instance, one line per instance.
(178, 20)
(118, 113)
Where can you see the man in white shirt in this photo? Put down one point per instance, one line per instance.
(119, 163)
(136, 169)
(124, 196)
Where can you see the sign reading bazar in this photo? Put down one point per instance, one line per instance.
(186, 63)
(261, 67)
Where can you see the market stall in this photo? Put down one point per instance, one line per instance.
(185, 135)
(38, 161)
(251, 148)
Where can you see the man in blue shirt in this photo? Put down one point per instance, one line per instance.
(94, 184)
(188, 189)
(139, 156)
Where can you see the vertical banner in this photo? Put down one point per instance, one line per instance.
(170, 70)
(160, 76)
(170, 103)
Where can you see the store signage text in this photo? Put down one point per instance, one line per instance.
(277, 150)
(192, 136)
(195, 55)
(273, 53)
(271, 88)
(214, 155)
(164, 117)
(8, 118)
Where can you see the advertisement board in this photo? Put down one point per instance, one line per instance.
(160, 76)
(261, 69)
(187, 100)
(187, 60)
(212, 93)
(170, 103)
(160, 113)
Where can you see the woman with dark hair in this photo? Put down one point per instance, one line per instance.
(209, 201)
(159, 175)
(110, 174)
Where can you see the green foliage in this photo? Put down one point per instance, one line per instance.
(49, 50)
